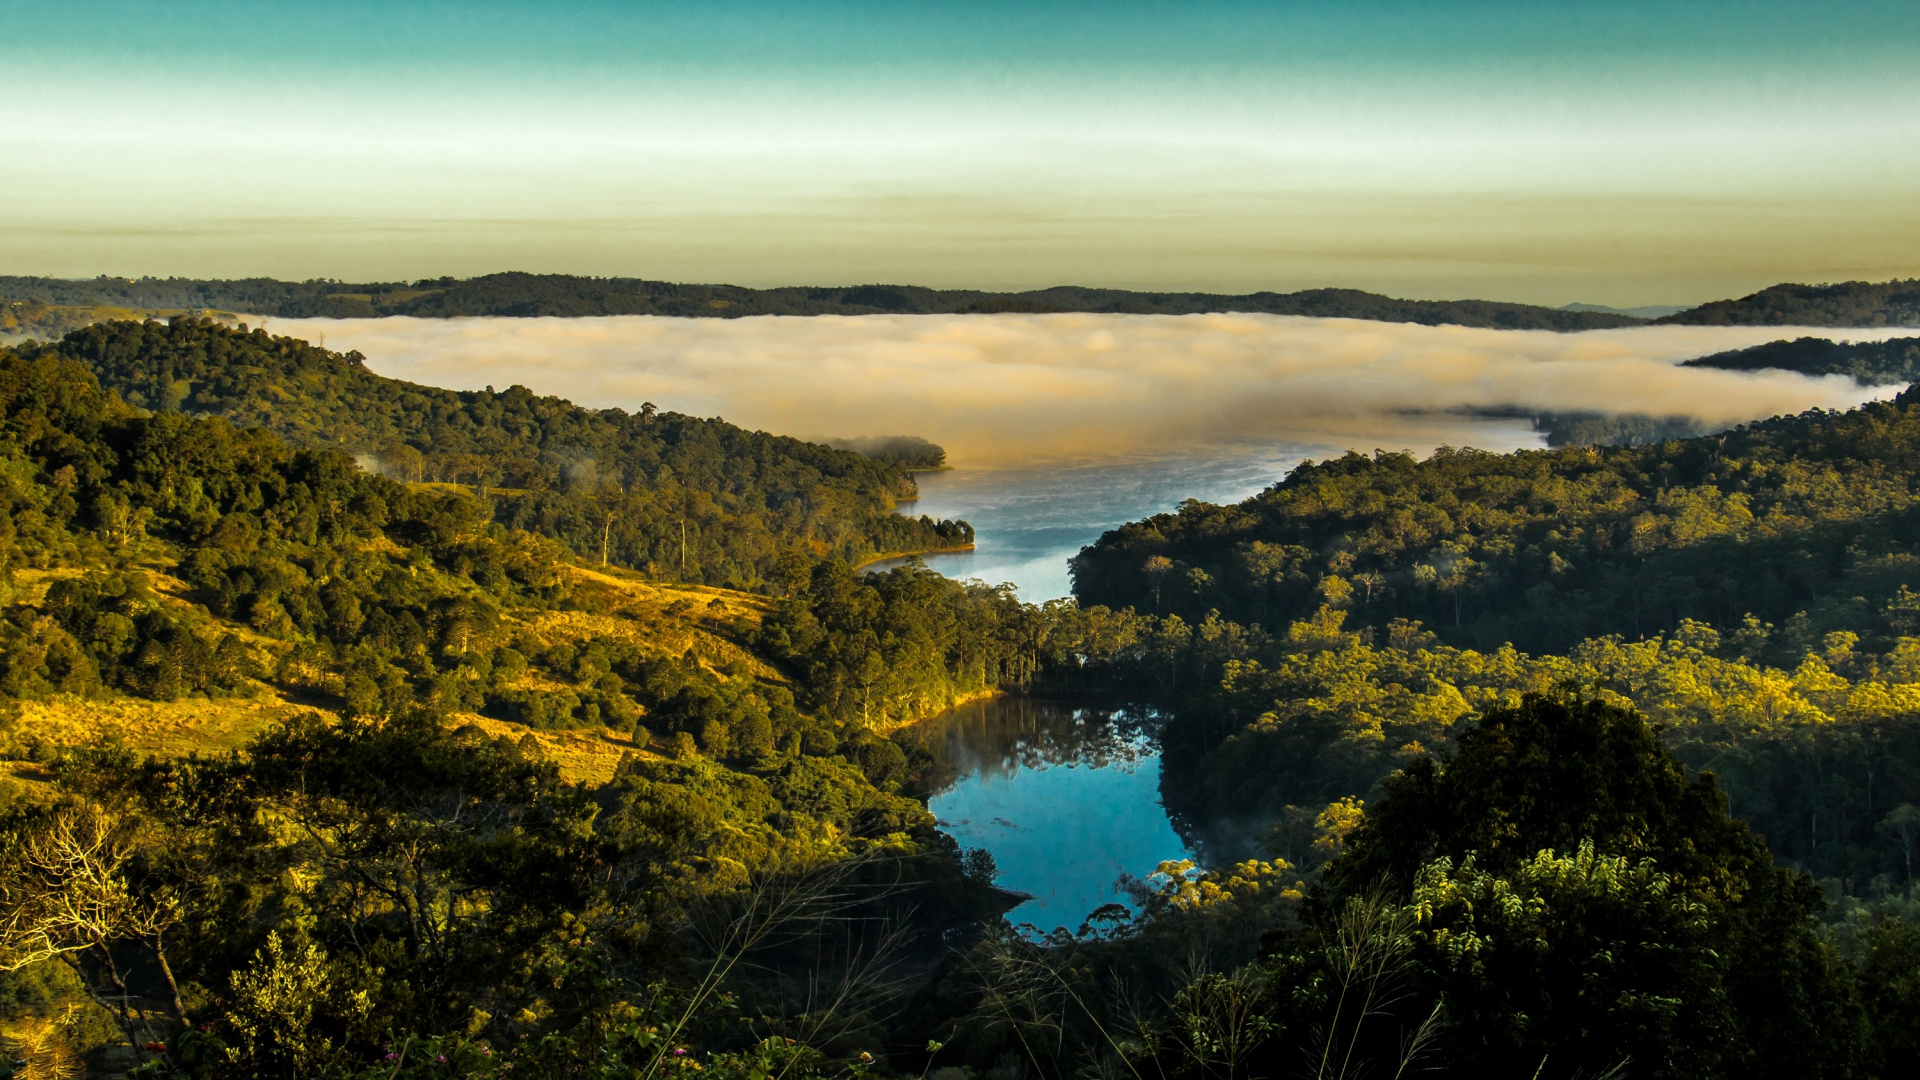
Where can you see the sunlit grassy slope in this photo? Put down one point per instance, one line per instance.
(663, 619)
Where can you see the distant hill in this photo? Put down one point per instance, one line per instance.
(1645, 311)
(1871, 363)
(45, 306)
(1849, 303)
(517, 294)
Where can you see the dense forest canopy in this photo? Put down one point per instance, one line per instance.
(1893, 362)
(688, 498)
(910, 451)
(516, 294)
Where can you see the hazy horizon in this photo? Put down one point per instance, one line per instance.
(1604, 153)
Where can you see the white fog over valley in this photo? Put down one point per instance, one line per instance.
(1001, 389)
(1063, 426)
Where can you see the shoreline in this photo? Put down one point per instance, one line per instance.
(983, 694)
(869, 561)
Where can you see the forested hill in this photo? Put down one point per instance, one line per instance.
(682, 497)
(1804, 521)
(516, 294)
(1849, 303)
(1870, 363)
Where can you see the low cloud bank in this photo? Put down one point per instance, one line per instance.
(1000, 388)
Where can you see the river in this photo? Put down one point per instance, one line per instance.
(1030, 519)
(1066, 795)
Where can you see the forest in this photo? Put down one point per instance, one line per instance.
(909, 451)
(443, 791)
(680, 497)
(1804, 522)
(161, 557)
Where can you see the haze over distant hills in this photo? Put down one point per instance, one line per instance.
(1645, 311)
(49, 306)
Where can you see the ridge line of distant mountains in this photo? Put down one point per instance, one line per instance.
(40, 304)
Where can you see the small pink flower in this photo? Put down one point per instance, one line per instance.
(391, 1056)
(678, 1052)
(441, 1058)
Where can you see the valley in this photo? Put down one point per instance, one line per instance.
(486, 683)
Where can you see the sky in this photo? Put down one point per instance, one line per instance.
(1605, 152)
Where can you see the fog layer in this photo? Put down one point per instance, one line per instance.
(999, 388)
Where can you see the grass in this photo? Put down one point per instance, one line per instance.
(619, 604)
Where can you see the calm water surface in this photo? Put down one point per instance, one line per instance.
(1065, 796)
(1029, 520)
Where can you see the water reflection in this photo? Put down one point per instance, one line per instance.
(1066, 796)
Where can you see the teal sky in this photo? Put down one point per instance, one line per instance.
(1608, 152)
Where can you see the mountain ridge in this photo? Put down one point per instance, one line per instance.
(50, 306)
(525, 295)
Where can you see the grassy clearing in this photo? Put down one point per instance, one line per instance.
(664, 619)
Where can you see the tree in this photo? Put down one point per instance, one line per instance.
(1156, 569)
(1902, 825)
(1580, 898)
(65, 895)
